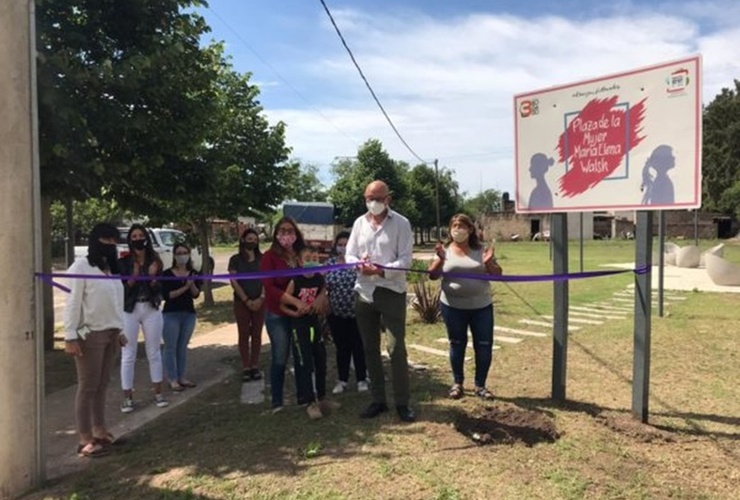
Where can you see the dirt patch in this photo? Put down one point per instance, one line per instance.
(633, 428)
(507, 425)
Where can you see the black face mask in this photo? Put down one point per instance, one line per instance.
(110, 252)
(138, 244)
(249, 246)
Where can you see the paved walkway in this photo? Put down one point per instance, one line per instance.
(205, 366)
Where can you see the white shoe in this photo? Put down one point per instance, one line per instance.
(339, 388)
(362, 386)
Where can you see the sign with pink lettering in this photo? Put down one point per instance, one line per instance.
(629, 141)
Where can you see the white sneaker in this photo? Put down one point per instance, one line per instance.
(362, 386)
(339, 388)
(127, 406)
(160, 401)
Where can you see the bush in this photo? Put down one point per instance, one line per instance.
(426, 302)
(418, 265)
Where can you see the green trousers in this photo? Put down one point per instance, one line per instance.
(389, 310)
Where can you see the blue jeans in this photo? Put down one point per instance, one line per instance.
(177, 329)
(278, 329)
(480, 322)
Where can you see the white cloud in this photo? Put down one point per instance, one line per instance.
(448, 84)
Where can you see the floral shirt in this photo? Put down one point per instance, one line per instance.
(340, 285)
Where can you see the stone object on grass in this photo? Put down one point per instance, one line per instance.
(721, 271)
(717, 250)
(688, 256)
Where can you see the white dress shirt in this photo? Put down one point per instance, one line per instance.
(94, 303)
(390, 244)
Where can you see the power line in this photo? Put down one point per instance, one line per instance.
(367, 84)
(283, 79)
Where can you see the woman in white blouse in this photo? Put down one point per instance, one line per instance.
(93, 321)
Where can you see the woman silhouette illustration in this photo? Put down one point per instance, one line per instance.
(541, 196)
(658, 190)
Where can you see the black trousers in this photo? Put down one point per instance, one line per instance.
(309, 357)
(347, 338)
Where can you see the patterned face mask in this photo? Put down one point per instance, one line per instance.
(286, 240)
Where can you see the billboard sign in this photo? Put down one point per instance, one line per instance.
(629, 141)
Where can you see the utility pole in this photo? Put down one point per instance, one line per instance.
(21, 337)
(436, 195)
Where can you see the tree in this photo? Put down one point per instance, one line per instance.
(483, 203)
(306, 186)
(721, 152)
(119, 91)
(423, 181)
(352, 175)
(241, 168)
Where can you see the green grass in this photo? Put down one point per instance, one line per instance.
(215, 447)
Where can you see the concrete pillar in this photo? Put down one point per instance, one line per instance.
(20, 382)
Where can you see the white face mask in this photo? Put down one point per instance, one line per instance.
(375, 207)
(182, 259)
(341, 249)
(459, 235)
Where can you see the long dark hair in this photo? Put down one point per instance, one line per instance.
(96, 255)
(189, 265)
(299, 241)
(150, 254)
(340, 236)
(242, 246)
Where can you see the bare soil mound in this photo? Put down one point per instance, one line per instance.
(507, 425)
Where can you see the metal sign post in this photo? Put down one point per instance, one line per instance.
(643, 298)
(559, 242)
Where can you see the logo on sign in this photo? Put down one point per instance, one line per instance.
(529, 108)
(677, 81)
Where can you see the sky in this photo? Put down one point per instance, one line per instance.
(446, 71)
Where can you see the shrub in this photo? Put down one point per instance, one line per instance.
(426, 302)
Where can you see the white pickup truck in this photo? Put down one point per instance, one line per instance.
(163, 240)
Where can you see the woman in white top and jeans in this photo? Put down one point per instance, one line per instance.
(141, 309)
(466, 303)
(93, 321)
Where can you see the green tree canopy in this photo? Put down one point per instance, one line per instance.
(721, 152)
(483, 203)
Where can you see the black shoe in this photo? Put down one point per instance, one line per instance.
(374, 410)
(256, 374)
(405, 413)
(246, 376)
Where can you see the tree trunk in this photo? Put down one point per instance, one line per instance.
(205, 252)
(47, 290)
(69, 240)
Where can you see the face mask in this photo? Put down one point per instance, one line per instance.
(341, 250)
(138, 244)
(286, 240)
(182, 259)
(375, 207)
(459, 235)
(110, 252)
(311, 263)
(249, 246)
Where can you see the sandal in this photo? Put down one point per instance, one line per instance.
(247, 375)
(188, 384)
(483, 393)
(109, 440)
(91, 450)
(456, 392)
(177, 387)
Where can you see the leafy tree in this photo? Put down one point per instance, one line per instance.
(352, 175)
(241, 168)
(423, 181)
(483, 203)
(306, 186)
(721, 152)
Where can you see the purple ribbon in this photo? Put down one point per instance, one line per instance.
(286, 273)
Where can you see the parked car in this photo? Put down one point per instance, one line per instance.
(163, 240)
